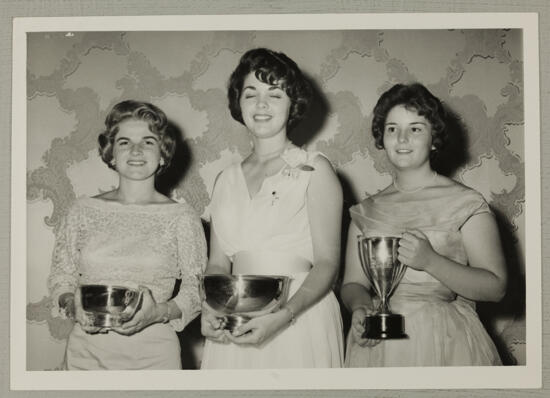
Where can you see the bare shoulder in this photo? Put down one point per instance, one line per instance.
(322, 165)
(324, 180)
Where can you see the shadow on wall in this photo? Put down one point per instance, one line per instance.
(454, 155)
(315, 118)
(512, 306)
(181, 162)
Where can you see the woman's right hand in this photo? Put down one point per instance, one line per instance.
(358, 327)
(211, 325)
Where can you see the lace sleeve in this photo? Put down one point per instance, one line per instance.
(192, 262)
(64, 272)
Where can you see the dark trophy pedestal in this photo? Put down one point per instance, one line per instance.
(385, 326)
(379, 261)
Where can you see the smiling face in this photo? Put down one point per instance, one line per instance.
(136, 150)
(265, 108)
(407, 138)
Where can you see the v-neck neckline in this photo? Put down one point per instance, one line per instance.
(243, 178)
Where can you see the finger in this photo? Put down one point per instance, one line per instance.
(132, 323)
(249, 338)
(404, 259)
(247, 327)
(407, 244)
(372, 342)
(214, 322)
(406, 250)
(357, 336)
(125, 332)
(212, 334)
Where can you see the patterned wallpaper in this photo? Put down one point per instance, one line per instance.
(75, 77)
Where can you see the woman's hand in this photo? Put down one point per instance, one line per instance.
(147, 314)
(211, 325)
(66, 304)
(358, 327)
(260, 329)
(416, 251)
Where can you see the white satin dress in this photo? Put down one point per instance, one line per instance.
(269, 234)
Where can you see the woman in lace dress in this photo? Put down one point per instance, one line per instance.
(132, 236)
(276, 213)
(449, 241)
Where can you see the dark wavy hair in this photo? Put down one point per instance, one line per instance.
(411, 96)
(137, 110)
(270, 67)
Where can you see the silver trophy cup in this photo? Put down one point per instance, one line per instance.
(238, 298)
(109, 306)
(384, 271)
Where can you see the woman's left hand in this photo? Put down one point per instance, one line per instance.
(145, 316)
(415, 250)
(260, 329)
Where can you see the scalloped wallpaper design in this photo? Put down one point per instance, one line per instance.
(74, 79)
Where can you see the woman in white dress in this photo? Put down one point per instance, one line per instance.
(278, 212)
(131, 236)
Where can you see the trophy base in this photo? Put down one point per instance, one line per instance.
(385, 326)
(232, 322)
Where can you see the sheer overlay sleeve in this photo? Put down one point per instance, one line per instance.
(192, 262)
(64, 274)
(475, 205)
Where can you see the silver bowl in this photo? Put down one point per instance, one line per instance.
(107, 305)
(238, 298)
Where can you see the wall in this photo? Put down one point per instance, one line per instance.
(74, 78)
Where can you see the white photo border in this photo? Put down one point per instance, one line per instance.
(526, 376)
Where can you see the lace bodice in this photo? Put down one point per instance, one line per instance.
(131, 245)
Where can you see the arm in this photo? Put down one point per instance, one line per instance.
(483, 279)
(64, 273)
(354, 291)
(64, 276)
(218, 263)
(324, 204)
(192, 260)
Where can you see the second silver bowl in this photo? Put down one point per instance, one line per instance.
(240, 297)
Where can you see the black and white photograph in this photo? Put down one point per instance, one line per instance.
(259, 202)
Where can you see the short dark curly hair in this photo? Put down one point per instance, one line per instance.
(412, 96)
(270, 67)
(137, 110)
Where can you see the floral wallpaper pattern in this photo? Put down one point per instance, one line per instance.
(75, 77)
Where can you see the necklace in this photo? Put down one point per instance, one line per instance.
(420, 188)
